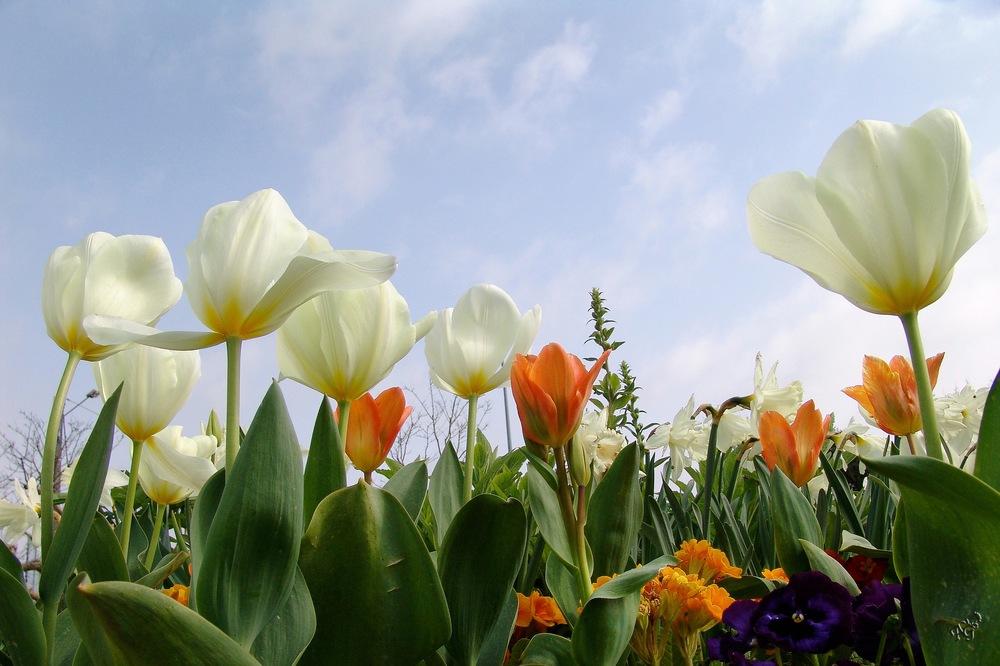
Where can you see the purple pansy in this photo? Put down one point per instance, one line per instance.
(811, 614)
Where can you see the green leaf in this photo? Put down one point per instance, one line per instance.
(548, 650)
(819, 560)
(326, 470)
(409, 486)
(614, 514)
(143, 626)
(988, 447)
(160, 574)
(560, 578)
(605, 626)
(377, 595)
(845, 499)
(101, 556)
(201, 523)
(10, 564)
(495, 646)
(446, 489)
(749, 587)
(82, 500)
(544, 505)
(953, 539)
(793, 520)
(20, 623)
(486, 529)
(283, 640)
(247, 569)
(67, 641)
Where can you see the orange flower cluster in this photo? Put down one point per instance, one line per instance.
(536, 614)
(179, 593)
(775, 574)
(678, 600)
(699, 558)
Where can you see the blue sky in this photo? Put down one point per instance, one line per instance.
(545, 148)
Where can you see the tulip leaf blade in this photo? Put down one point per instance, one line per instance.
(494, 648)
(560, 578)
(486, 529)
(409, 486)
(988, 447)
(248, 565)
(614, 514)
(283, 640)
(445, 490)
(548, 650)
(819, 560)
(376, 592)
(326, 470)
(82, 500)
(953, 549)
(101, 556)
(20, 623)
(141, 626)
(605, 625)
(544, 505)
(793, 519)
(10, 564)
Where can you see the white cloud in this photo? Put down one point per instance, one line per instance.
(543, 85)
(876, 21)
(661, 113)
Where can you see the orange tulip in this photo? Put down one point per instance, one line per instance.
(889, 393)
(551, 391)
(372, 426)
(794, 448)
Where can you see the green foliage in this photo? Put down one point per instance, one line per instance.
(615, 514)
(20, 624)
(377, 596)
(326, 469)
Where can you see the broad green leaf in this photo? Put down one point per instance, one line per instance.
(67, 641)
(409, 486)
(845, 499)
(326, 470)
(376, 592)
(614, 514)
(605, 626)
(101, 556)
(548, 650)
(819, 560)
(144, 626)
(953, 539)
(495, 646)
(201, 523)
(445, 491)
(793, 520)
(283, 640)
(542, 467)
(544, 505)
(82, 500)
(247, 569)
(161, 573)
(560, 578)
(20, 622)
(988, 447)
(10, 564)
(749, 587)
(854, 543)
(95, 647)
(486, 529)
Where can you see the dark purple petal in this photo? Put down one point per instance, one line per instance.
(811, 614)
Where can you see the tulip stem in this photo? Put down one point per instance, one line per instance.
(233, 349)
(133, 476)
(49, 452)
(154, 541)
(581, 540)
(470, 448)
(178, 537)
(925, 392)
(573, 530)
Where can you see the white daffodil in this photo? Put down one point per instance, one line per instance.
(342, 343)
(768, 395)
(598, 444)
(114, 479)
(959, 417)
(157, 384)
(251, 265)
(472, 346)
(889, 213)
(174, 467)
(130, 278)
(16, 520)
(686, 438)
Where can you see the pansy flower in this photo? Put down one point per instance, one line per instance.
(811, 614)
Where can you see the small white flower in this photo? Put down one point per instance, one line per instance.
(17, 519)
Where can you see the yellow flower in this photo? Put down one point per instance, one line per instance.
(709, 564)
(179, 593)
(775, 574)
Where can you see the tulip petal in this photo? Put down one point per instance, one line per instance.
(307, 276)
(787, 222)
(168, 475)
(118, 331)
(527, 329)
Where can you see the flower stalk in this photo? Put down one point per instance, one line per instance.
(470, 448)
(49, 452)
(133, 478)
(234, 345)
(925, 394)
